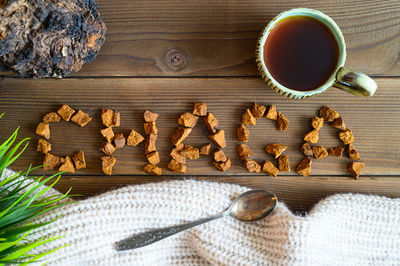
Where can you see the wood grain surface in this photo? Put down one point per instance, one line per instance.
(299, 193)
(218, 38)
(375, 121)
(164, 55)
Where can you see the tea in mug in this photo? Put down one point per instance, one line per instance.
(301, 53)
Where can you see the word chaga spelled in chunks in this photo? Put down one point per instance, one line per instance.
(43, 146)
(110, 118)
(107, 164)
(355, 168)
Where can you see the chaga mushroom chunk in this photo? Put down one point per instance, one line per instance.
(153, 157)
(211, 122)
(188, 120)
(67, 166)
(51, 117)
(205, 149)
(149, 116)
(49, 38)
(108, 134)
(79, 160)
(107, 164)
(81, 118)
(242, 133)
(152, 169)
(110, 118)
(43, 146)
(223, 166)
(269, 168)
(190, 152)
(43, 130)
(177, 166)
(134, 138)
(218, 138)
(200, 109)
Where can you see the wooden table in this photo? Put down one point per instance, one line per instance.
(164, 55)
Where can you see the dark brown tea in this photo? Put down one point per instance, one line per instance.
(301, 53)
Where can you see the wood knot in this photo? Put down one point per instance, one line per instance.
(176, 59)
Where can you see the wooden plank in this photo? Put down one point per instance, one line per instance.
(218, 38)
(375, 121)
(299, 193)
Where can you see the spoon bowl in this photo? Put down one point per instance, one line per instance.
(253, 205)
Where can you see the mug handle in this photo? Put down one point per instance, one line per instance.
(354, 82)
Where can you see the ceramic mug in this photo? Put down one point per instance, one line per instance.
(342, 77)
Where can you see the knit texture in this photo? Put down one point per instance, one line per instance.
(347, 229)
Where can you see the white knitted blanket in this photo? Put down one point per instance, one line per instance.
(347, 229)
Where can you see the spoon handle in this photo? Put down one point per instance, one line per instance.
(149, 237)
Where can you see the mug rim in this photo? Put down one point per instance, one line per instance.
(323, 18)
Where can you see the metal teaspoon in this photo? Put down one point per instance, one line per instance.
(249, 206)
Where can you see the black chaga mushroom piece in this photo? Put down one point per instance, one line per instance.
(49, 38)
